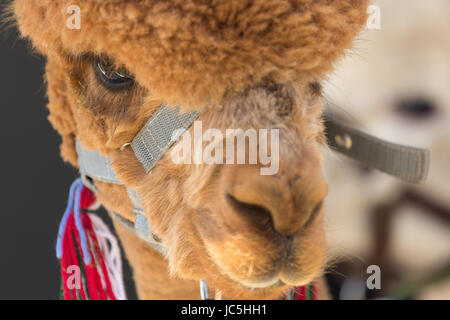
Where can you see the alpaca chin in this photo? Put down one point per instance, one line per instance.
(274, 282)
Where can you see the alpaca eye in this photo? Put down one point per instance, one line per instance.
(111, 77)
(416, 108)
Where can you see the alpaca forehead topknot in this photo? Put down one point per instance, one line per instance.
(194, 53)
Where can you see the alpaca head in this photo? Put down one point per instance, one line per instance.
(250, 65)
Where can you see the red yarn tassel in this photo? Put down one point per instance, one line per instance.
(300, 293)
(308, 292)
(94, 279)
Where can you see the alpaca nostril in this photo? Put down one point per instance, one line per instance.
(314, 213)
(264, 218)
(253, 212)
(278, 206)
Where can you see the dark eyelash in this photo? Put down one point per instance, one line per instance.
(113, 80)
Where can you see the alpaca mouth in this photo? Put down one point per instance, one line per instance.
(270, 284)
(284, 274)
(278, 281)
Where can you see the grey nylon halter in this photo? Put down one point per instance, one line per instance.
(156, 137)
(149, 145)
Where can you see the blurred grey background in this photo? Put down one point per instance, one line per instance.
(34, 180)
(394, 84)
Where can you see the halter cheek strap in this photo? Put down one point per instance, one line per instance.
(149, 145)
(93, 167)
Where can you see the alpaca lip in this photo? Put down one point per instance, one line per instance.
(274, 283)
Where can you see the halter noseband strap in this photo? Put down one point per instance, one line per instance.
(167, 124)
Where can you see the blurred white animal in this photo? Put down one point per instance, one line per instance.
(396, 85)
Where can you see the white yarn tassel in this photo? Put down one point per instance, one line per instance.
(111, 253)
(204, 290)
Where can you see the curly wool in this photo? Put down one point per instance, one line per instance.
(194, 52)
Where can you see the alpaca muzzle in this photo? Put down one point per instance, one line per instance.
(157, 136)
(286, 202)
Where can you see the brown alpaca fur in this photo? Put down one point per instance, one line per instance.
(244, 64)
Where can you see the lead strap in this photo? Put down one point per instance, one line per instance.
(406, 163)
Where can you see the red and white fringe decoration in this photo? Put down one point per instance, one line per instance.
(111, 253)
(91, 265)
